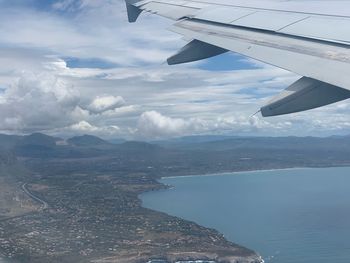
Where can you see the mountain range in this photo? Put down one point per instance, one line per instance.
(186, 149)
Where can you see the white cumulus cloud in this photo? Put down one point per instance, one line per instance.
(38, 102)
(105, 103)
(86, 127)
(154, 124)
(42, 90)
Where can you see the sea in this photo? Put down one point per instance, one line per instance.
(287, 216)
(3, 259)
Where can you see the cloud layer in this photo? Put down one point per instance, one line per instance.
(71, 67)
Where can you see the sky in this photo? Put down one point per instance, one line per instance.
(71, 67)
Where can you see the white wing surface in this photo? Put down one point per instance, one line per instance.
(311, 39)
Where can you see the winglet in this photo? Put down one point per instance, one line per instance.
(133, 11)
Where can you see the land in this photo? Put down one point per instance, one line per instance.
(77, 200)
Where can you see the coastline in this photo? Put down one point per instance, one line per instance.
(211, 257)
(257, 258)
(252, 171)
(201, 256)
(299, 190)
(240, 172)
(168, 187)
(105, 187)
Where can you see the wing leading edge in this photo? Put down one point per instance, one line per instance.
(313, 45)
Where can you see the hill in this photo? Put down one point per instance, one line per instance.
(87, 140)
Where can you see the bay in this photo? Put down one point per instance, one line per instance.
(287, 216)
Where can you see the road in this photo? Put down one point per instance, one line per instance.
(44, 205)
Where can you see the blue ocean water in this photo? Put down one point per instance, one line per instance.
(287, 216)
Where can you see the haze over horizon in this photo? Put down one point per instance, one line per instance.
(76, 66)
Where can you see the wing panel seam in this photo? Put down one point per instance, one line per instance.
(270, 9)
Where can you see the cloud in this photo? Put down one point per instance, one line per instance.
(38, 102)
(117, 85)
(154, 124)
(105, 103)
(84, 127)
(122, 111)
(66, 5)
(74, 5)
(87, 29)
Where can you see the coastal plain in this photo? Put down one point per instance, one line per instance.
(77, 200)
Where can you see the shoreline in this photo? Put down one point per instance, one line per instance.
(168, 187)
(248, 171)
(239, 172)
(254, 258)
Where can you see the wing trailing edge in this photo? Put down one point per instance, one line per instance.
(313, 45)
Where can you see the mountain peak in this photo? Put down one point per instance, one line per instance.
(86, 140)
(39, 139)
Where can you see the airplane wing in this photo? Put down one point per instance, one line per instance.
(292, 35)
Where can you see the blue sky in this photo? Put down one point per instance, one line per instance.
(41, 4)
(73, 67)
(228, 61)
(74, 62)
